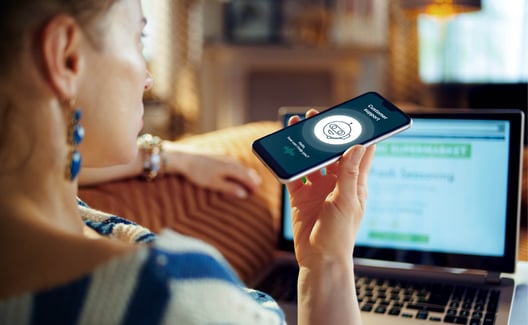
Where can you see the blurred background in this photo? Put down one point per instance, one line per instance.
(223, 63)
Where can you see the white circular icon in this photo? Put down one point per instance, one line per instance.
(337, 129)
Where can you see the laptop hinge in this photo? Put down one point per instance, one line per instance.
(493, 278)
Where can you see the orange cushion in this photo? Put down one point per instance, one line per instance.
(244, 231)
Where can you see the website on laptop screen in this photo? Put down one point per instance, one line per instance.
(439, 187)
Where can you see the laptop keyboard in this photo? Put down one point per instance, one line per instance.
(427, 301)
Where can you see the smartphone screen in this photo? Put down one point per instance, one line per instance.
(313, 143)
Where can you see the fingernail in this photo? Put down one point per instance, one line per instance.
(358, 152)
(361, 150)
(241, 193)
(255, 176)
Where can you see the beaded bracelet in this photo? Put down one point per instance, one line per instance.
(152, 151)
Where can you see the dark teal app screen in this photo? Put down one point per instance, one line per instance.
(327, 135)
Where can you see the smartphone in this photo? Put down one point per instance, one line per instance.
(311, 144)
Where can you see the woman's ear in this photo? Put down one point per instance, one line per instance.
(60, 46)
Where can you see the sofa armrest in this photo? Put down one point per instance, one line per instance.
(245, 231)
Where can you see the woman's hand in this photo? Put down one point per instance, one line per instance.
(216, 172)
(328, 208)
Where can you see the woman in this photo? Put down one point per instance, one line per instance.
(66, 63)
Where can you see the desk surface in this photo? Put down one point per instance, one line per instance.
(519, 315)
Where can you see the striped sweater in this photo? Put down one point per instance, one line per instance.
(176, 280)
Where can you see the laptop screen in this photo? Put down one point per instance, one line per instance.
(444, 193)
(440, 187)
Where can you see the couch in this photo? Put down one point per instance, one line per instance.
(245, 231)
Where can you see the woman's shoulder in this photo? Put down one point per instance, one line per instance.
(177, 277)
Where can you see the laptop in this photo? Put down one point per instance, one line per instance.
(441, 224)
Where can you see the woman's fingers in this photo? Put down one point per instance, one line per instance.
(364, 169)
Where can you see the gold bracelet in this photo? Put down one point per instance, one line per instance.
(152, 151)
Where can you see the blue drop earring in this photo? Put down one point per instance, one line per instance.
(75, 137)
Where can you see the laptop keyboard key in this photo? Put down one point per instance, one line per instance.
(424, 307)
(367, 307)
(395, 311)
(489, 319)
(455, 319)
(422, 315)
